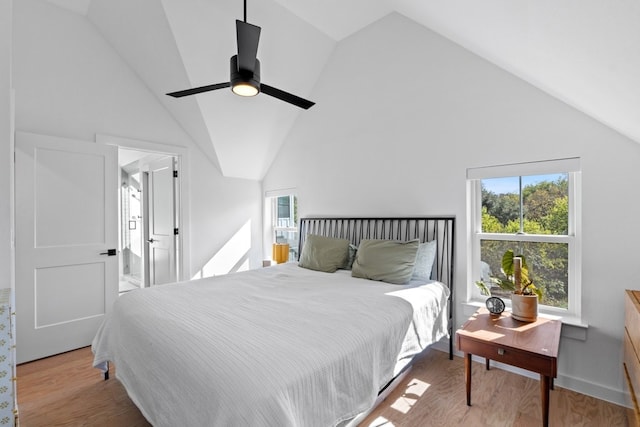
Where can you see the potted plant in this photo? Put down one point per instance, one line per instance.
(524, 300)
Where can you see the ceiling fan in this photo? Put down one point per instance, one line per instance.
(245, 70)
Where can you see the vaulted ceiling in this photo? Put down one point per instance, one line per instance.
(584, 52)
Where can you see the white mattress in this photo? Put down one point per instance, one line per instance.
(279, 346)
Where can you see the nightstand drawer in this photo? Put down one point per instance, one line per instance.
(528, 345)
(511, 356)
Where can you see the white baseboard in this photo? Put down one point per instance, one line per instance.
(578, 385)
(598, 391)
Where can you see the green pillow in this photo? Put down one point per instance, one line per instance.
(324, 253)
(385, 260)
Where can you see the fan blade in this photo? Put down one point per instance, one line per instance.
(286, 96)
(248, 37)
(187, 92)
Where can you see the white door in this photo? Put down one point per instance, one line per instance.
(161, 238)
(66, 225)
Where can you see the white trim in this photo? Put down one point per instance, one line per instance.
(542, 238)
(524, 169)
(573, 239)
(599, 391)
(182, 154)
(575, 247)
(280, 192)
(270, 214)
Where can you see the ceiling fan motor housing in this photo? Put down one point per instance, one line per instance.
(239, 76)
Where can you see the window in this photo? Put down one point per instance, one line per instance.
(284, 222)
(532, 209)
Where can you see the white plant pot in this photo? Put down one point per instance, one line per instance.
(524, 307)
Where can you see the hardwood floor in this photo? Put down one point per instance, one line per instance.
(65, 390)
(434, 394)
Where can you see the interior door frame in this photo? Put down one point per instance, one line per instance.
(182, 200)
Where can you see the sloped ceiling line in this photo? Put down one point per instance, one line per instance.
(584, 53)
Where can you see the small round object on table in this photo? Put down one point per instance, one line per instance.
(495, 305)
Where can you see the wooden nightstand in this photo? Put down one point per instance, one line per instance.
(531, 346)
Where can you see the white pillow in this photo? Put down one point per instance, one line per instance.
(353, 249)
(424, 260)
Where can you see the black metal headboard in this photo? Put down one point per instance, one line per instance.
(440, 228)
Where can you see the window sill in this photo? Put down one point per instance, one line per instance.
(572, 327)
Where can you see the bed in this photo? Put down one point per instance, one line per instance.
(283, 345)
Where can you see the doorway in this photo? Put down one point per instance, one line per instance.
(69, 232)
(148, 221)
(66, 242)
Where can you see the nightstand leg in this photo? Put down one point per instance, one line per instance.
(487, 363)
(467, 376)
(545, 385)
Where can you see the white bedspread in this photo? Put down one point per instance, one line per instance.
(279, 346)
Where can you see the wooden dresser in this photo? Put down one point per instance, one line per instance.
(631, 354)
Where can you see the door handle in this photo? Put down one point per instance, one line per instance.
(151, 240)
(110, 252)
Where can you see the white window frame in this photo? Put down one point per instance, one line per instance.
(573, 238)
(274, 215)
(271, 215)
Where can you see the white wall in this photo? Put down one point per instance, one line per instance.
(6, 144)
(402, 113)
(70, 83)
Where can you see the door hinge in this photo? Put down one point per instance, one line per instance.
(176, 231)
(175, 174)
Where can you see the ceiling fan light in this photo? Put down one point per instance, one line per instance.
(244, 82)
(245, 89)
